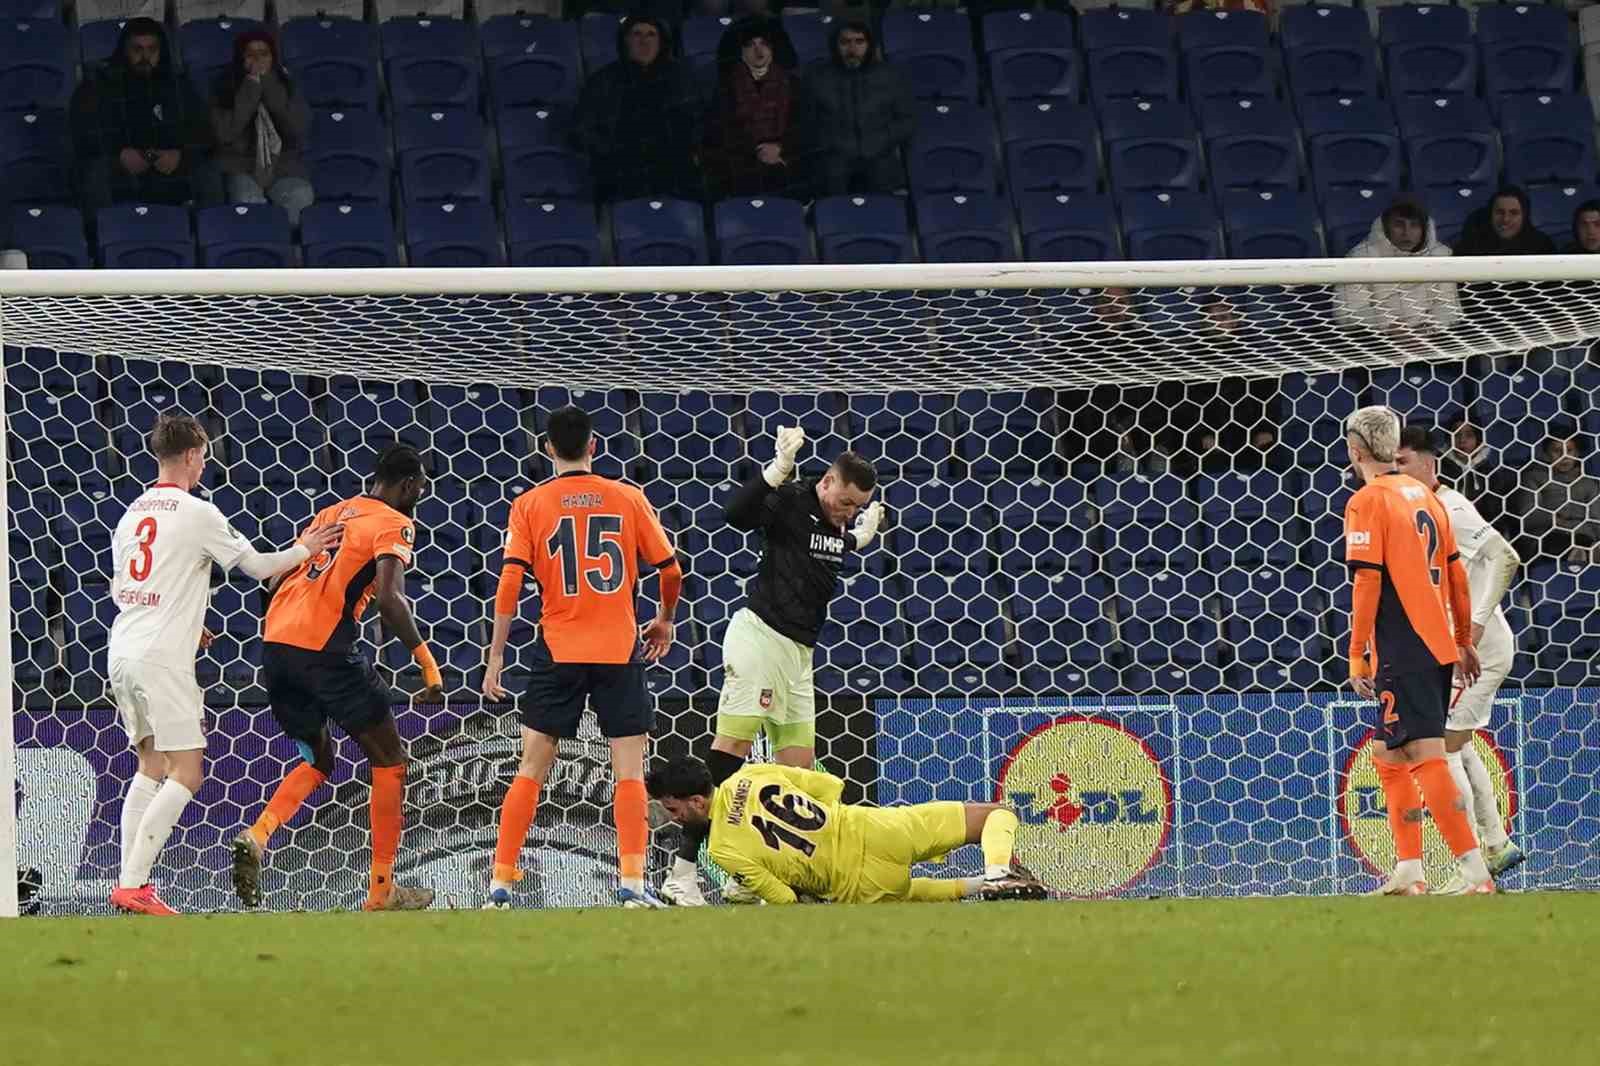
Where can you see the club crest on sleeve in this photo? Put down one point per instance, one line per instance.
(766, 699)
(408, 534)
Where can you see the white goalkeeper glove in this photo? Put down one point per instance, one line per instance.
(867, 524)
(789, 440)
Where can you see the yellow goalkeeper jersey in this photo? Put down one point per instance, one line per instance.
(779, 830)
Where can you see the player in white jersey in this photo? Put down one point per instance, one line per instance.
(1491, 563)
(162, 552)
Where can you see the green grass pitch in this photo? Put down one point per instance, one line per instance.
(1190, 982)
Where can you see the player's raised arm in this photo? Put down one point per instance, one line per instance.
(746, 508)
(395, 611)
(267, 566)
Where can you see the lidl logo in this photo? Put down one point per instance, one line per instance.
(1094, 803)
(1364, 814)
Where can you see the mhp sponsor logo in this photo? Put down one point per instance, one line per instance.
(1094, 802)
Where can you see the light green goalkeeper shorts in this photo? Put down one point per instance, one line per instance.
(766, 685)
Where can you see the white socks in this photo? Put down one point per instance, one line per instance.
(163, 812)
(1409, 871)
(972, 885)
(996, 873)
(1464, 785)
(1473, 867)
(685, 870)
(1485, 808)
(141, 790)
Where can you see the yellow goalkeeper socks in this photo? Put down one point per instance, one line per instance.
(999, 841)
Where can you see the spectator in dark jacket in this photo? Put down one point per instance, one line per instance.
(753, 135)
(1505, 227)
(1585, 229)
(260, 121)
(637, 119)
(139, 129)
(859, 112)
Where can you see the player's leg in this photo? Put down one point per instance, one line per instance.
(626, 714)
(1403, 801)
(792, 721)
(1471, 712)
(1421, 702)
(133, 712)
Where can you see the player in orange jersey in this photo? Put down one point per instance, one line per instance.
(1409, 585)
(314, 674)
(584, 537)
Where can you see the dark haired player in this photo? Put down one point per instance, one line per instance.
(314, 674)
(770, 643)
(584, 537)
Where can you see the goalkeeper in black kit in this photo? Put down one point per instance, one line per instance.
(811, 527)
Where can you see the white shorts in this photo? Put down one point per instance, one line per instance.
(158, 701)
(767, 679)
(1471, 710)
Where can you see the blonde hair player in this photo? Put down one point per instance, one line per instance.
(1410, 630)
(1491, 563)
(162, 552)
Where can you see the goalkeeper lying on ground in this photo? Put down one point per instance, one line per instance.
(781, 831)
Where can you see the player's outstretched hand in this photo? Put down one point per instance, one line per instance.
(206, 637)
(491, 680)
(432, 693)
(1467, 665)
(657, 638)
(866, 527)
(787, 443)
(322, 538)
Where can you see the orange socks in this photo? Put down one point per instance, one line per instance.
(1444, 803)
(631, 811)
(1405, 808)
(516, 815)
(292, 792)
(387, 810)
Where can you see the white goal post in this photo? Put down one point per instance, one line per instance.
(1011, 380)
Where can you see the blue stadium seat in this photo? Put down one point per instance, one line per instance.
(1518, 68)
(97, 39)
(863, 229)
(1035, 74)
(597, 39)
(508, 35)
(1027, 29)
(437, 127)
(530, 80)
(432, 81)
(37, 149)
(338, 82)
(302, 39)
(809, 32)
(37, 65)
(1500, 23)
(940, 75)
(1551, 157)
(544, 126)
(1150, 145)
(1270, 224)
(1132, 73)
(964, 228)
(1324, 115)
(1552, 206)
(52, 236)
(542, 173)
(553, 233)
(1254, 161)
(1170, 225)
(952, 150)
(1431, 68)
(437, 175)
(1449, 207)
(348, 155)
(1423, 115)
(1223, 117)
(207, 48)
(701, 34)
(906, 429)
(1116, 27)
(1047, 120)
(1545, 113)
(428, 36)
(1054, 165)
(1068, 227)
(1451, 160)
(1218, 29)
(144, 236)
(452, 235)
(934, 50)
(1425, 23)
(1351, 143)
(244, 235)
(1011, 434)
(1332, 69)
(761, 230)
(1139, 119)
(347, 235)
(1229, 71)
(1303, 24)
(661, 232)
(691, 434)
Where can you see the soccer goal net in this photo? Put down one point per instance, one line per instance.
(1111, 591)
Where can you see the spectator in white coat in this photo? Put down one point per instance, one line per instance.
(1404, 229)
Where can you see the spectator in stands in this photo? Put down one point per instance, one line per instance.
(754, 131)
(1559, 503)
(638, 117)
(139, 129)
(1504, 227)
(260, 121)
(1585, 229)
(859, 111)
(1264, 453)
(1469, 466)
(1404, 229)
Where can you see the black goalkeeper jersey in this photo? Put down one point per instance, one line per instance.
(801, 559)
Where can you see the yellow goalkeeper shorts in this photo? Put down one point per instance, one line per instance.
(895, 838)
